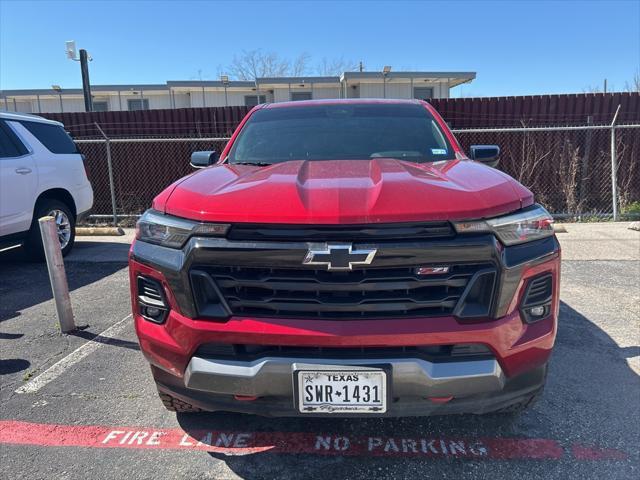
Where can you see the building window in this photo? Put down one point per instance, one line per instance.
(423, 93)
(100, 106)
(298, 96)
(253, 100)
(138, 104)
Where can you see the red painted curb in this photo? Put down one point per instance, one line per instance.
(245, 443)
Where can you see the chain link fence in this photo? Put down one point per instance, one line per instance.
(575, 172)
(570, 169)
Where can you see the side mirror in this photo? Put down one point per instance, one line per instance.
(487, 154)
(204, 159)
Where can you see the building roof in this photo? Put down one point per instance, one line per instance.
(209, 83)
(292, 80)
(454, 78)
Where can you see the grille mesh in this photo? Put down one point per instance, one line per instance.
(361, 293)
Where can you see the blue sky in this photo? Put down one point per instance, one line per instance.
(516, 48)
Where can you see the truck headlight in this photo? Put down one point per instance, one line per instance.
(173, 232)
(532, 223)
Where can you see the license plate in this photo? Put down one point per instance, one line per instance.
(342, 391)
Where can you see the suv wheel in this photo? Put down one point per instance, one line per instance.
(65, 223)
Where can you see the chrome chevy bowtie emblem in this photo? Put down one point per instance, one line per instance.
(338, 256)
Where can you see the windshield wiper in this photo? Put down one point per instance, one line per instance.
(257, 164)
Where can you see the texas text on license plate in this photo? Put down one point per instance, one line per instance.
(342, 391)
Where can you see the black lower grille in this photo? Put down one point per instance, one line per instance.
(428, 352)
(357, 294)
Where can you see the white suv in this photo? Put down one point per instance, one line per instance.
(41, 173)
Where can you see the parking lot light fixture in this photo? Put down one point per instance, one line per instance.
(385, 71)
(225, 82)
(58, 89)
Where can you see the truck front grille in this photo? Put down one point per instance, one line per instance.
(358, 294)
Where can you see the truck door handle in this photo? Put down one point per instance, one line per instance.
(23, 170)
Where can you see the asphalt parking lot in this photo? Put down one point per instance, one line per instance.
(85, 406)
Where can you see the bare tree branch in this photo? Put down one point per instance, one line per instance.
(252, 64)
(634, 86)
(300, 65)
(335, 66)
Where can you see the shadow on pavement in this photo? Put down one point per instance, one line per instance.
(24, 284)
(589, 380)
(13, 365)
(114, 342)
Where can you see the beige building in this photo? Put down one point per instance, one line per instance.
(186, 94)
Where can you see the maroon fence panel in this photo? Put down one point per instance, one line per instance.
(539, 110)
(580, 159)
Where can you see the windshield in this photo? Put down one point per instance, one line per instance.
(341, 132)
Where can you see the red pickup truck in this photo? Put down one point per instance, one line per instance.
(346, 258)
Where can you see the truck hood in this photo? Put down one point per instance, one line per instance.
(380, 190)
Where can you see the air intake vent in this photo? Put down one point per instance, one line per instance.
(351, 233)
(538, 291)
(150, 291)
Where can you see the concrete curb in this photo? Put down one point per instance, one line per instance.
(99, 231)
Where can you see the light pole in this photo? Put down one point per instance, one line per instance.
(58, 89)
(385, 71)
(225, 82)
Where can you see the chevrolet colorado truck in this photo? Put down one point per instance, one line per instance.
(346, 258)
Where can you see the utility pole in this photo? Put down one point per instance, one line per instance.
(86, 85)
(84, 70)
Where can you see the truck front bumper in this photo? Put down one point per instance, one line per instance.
(515, 368)
(494, 392)
(272, 376)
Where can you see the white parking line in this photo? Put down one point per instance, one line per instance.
(58, 368)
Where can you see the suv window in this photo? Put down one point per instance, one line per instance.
(341, 132)
(10, 145)
(51, 136)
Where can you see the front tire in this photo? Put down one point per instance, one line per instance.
(65, 222)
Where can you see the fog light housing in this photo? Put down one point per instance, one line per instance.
(537, 311)
(153, 312)
(152, 303)
(536, 301)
